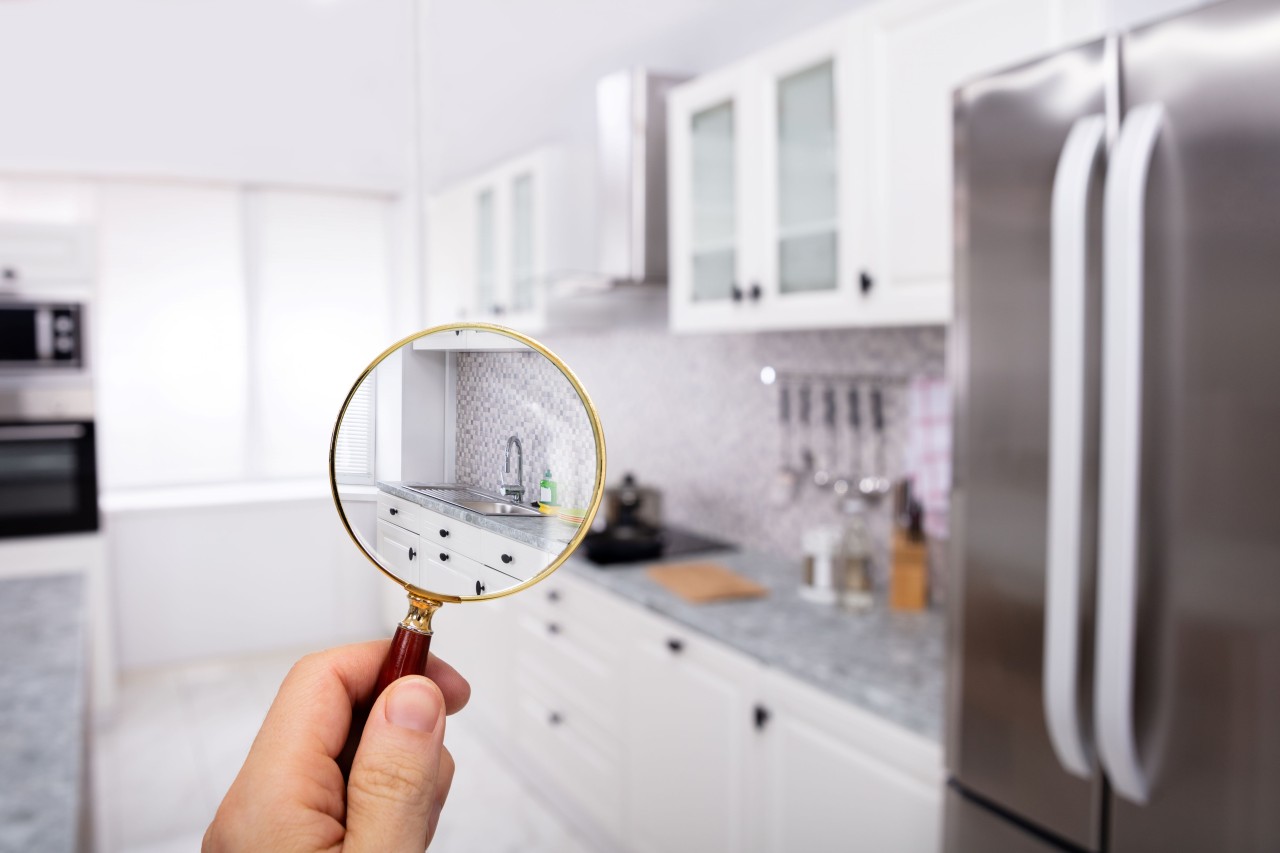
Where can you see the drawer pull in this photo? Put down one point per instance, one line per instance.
(507, 558)
(762, 717)
(553, 628)
(392, 510)
(443, 533)
(553, 595)
(444, 558)
(555, 719)
(676, 645)
(479, 588)
(412, 553)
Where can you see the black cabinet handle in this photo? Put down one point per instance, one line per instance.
(497, 310)
(676, 645)
(443, 533)
(553, 595)
(735, 292)
(865, 282)
(555, 719)
(507, 558)
(553, 628)
(10, 274)
(444, 558)
(393, 511)
(756, 292)
(412, 553)
(479, 588)
(762, 717)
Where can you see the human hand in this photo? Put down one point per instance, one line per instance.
(290, 794)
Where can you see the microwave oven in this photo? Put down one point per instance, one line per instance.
(41, 336)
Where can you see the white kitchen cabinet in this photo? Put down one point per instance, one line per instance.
(810, 184)
(834, 778)
(919, 52)
(489, 244)
(689, 706)
(32, 255)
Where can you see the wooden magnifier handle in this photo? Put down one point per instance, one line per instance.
(407, 655)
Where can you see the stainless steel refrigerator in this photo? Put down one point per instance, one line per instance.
(1115, 664)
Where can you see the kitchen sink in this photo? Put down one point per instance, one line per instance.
(469, 497)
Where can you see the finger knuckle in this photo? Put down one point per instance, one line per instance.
(392, 779)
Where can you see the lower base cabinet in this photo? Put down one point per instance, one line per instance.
(656, 739)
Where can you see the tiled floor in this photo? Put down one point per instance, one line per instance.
(180, 734)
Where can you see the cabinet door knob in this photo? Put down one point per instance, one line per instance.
(555, 719)
(676, 645)
(865, 282)
(756, 292)
(762, 717)
(736, 292)
(444, 558)
(553, 628)
(507, 558)
(479, 588)
(10, 274)
(412, 553)
(394, 511)
(497, 310)
(553, 595)
(443, 533)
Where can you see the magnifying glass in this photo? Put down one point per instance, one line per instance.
(488, 459)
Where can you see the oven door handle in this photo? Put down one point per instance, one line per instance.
(41, 432)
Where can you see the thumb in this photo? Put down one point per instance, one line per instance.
(395, 780)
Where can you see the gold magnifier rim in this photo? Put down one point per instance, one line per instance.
(597, 430)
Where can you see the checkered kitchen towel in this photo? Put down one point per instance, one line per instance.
(927, 454)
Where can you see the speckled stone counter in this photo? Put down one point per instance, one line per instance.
(545, 533)
(42, 713)
(890, 664)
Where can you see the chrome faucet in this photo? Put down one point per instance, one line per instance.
(516, 491)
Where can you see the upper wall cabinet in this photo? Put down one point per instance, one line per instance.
(811, 183)
(489, 245)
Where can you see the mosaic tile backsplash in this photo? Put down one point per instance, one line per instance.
(501, 394)
(689, 415)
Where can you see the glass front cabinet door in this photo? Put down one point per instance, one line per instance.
(709, 125)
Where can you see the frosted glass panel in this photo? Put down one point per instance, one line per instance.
(807, 180)
(486, 242)
(714, 202)
(522, 242)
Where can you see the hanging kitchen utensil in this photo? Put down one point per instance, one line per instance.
(785, 481)
(847, 483)
(806, 452)
(480, 412)
(876, 485)
(824, 471)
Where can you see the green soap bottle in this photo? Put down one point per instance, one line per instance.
(548, 490)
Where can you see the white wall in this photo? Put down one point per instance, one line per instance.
(313, 92)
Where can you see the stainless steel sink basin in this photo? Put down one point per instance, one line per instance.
(469, 497)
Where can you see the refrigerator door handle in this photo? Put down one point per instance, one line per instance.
(1122, 327)
(1069, 269)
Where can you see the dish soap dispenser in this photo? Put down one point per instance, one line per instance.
(547, 488)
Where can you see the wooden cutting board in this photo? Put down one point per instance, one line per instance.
(701, 583)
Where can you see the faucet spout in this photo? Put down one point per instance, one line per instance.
(516, 490)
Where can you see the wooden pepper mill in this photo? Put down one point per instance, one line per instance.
(909, 573)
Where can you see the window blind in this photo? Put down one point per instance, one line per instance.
(353, 456)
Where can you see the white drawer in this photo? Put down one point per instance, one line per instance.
(568, 748)
(398, 548)
(509, 556)
(446, 571)
(399, 511)
(575, 663)
(449, 532)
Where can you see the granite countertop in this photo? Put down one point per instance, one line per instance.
(42, 713)
(890, 664)
(544, 533)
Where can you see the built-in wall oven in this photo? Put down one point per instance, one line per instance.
(48, 458)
